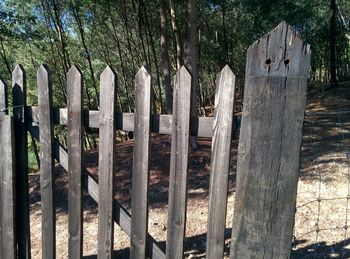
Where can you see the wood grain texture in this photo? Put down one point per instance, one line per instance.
(47, 180)
(121, 215)
(3, 98)
(75, 156)
(21, 148)
(269, 147)
(201, 126)
(106, 163)
(3, 111)
(7, 189)
(220, 162)
(141, 159)
(179, 164)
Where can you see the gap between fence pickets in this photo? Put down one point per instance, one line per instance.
(121, 216)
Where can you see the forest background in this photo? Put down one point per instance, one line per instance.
(164, 34)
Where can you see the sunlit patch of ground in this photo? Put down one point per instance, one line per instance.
(323, 203)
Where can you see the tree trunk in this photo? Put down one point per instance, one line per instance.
(176, 33)
(332, 41)
(76, 16)
(191, 56)
(165, 64)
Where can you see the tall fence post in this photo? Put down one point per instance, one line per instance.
(21, 149)
(269, 148)
(47, 180)
(106, 163)
(7, 189)
(179, 164)
(220, 162)
(75, 161)
(140, 172)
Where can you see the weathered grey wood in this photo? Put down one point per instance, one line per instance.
(106, 163)
(47, 180)
(75, 156)
(220, 162)
(179, 164)
(7, 189)
(201, 127)
(121, 215)
(3, 97)
(3, 111)
(269, 148)
(21, 143)
(141, 158)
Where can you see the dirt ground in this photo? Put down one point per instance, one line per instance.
(322, 216)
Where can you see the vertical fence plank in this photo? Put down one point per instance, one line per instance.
(140, 175)
(106, 162)
(75, 153)
(3, 111)
(46, 162)
(269, 148)
(3, 97)
(220, 161)
(7, 189)
(179, 164)
(21, 148)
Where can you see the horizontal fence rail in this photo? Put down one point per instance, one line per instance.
(274, 104)
(200, 126)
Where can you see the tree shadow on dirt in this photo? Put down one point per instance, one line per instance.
(198, 177)
(194, 247)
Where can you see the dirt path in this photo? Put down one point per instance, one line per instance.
(323, 194)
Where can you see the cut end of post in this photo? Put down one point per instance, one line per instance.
(281, 52)
(143, 72)
(18, 75)
(183, 72)
(108, 72)
(227, 71)
(74, 70)
(19, 69)
(142, 79)
(43, 70)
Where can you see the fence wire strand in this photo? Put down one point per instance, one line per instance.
(320, 246)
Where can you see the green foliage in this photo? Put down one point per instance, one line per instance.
(124, 34)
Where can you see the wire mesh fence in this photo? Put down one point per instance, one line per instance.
(322, 217)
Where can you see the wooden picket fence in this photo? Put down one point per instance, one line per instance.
(268, 157)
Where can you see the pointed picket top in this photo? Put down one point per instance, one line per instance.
(19, 76)
(44, 83)
(226, 72)
(74, 70)
(108, 73)
(107, 89)
(182, 77)
(225, 87)
(43, 72)
(3, 97)
(142, 79)
(282, 52)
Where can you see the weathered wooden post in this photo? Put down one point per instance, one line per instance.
(7, 180)
(75, 162)
(141, 157)
(269, 148)
(179, 164)
(7, 189)
(19, 102)
(47, 180)
(220, 160)
(106, 163)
